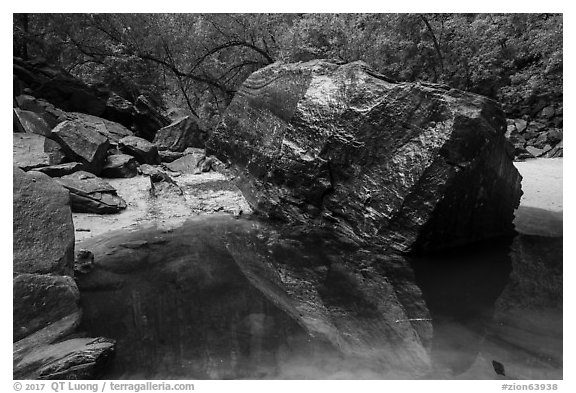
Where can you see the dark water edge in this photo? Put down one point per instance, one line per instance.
(189, 312)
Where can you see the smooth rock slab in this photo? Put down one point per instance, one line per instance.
(90, 194)
(43, 232)
(111, 130)
(83, 143)
(145, 152)
(406, 166)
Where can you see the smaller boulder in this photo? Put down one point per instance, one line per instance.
(120, 166)
(547, 112)
(534, 151)
(169, 156)
(90, 194)
(555, 135)
(190, 163)
(111, 130)
(145, 152)
(30, 122)
(181, 134)
(83, 143)
(521, 125)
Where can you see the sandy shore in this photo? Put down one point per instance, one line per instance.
(540, 211)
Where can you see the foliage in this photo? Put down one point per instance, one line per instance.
(199, 60)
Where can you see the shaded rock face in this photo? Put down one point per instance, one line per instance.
(43, 229)
(31, 122)
(83, 143)
(90, 194)
(179, 135)
(145, 152)
(287, 305)
(42, 299)
(120, 165)
(60, 89)
(409, 166)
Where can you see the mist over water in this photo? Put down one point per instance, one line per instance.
(187, 308)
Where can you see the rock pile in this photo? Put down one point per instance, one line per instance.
(540, 137)
(46, 311)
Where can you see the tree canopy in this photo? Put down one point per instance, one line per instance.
(199, 60)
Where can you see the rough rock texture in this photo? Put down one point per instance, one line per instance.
(61, 169)
(111, 130)
(41, 300)
(408, 166)
(120, 165)
(82, 143)
(31, 122)
(181, 134)
(51, 114)
(43, 231)
(145, 152)
(28, 152)
(535, 139)
(90, 194)
(45, 296)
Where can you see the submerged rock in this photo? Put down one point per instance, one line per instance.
(267, 304)
(90, 194)
(409, 166)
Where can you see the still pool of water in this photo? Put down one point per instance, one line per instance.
(220, 298)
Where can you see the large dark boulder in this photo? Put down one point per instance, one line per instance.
(406, 166)
(43, 232)
(181, 134)
(145, 152)
(90, 194)
(83, 143)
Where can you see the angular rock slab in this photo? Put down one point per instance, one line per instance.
(111, 130)
(77, 358)
(82, 142)
(90, 194)
(41, 299)
(31, 122)
(61, 169)
(190, 163)
(28, 151)
(145, 152)
(181, 134)
(120, 166)
(43, 231)
(407, 166)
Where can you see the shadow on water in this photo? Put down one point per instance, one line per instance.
(220, 298)
(498, 301)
